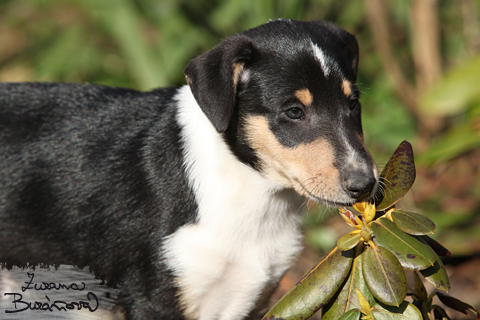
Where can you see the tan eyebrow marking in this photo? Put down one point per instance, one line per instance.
(304, 96)
(347, 87)
(238, 68)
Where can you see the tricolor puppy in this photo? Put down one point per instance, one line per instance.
(190, 197)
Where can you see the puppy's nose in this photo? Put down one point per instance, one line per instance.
(359, 184)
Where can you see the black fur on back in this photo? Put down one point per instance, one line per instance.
(88, 186)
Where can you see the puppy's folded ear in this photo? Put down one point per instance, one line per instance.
(214, 76)
(350, 47)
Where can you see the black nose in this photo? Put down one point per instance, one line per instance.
(359, 184)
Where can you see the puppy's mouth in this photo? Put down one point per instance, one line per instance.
(330, 203)
(326, 200)
(333, 201)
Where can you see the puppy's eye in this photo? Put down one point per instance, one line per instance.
(353, 104)
(295, 113)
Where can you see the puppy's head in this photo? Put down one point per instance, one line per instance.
(284, 96)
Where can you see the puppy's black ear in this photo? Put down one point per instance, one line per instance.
(350, 47)
(214, 77)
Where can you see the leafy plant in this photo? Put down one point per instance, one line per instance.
(456, 95)
(363, 277)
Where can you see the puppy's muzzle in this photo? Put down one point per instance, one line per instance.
(359, 184)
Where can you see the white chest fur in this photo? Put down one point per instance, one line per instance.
(246, 234)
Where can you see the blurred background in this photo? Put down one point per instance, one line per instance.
(419, 76)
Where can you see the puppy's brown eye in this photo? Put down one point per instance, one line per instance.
(295, 113)
(353, 104)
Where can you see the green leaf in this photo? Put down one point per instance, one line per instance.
(436, 246)
(436, 274)
(405, 311)
(384, 275)
(348, 241)
(315, 289)
(458, 305)
(412, 223)
(353, 314)
(364, 304)
(347, 298)
(439, 313)
(411, 253)
(452, 144)
(420, 296)
(418, 288)
(397, 176)
(455, 91)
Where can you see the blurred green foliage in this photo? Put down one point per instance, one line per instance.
(145, 44)
(456, 95)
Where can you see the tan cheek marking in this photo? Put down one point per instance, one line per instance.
(347, 87)
(270, 152)
(308, 168)
(304, 96)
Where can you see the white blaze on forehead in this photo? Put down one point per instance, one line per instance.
(322, 58)
(245, 76)
(327, 63)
